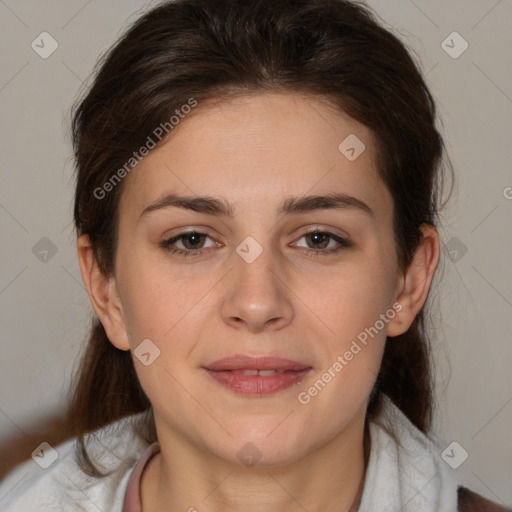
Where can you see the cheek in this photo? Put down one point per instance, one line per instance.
(358, 322)
(354, 299)
(357, 308)
(353, 309)
(158, 299)
(145, 294)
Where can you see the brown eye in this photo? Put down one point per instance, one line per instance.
(319, 240)
(192, 240)
(192, 243)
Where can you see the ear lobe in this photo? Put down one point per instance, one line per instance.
(416, 281)
(103, 294)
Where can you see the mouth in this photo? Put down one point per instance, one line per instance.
(257, 376)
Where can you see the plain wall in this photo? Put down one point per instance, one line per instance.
(44, 309)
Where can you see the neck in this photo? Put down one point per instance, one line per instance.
(181, 477)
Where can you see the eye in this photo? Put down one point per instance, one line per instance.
(322, 239)
(192, 242)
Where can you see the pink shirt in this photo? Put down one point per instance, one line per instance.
(132, 501)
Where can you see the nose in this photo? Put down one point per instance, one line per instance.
(256, 295)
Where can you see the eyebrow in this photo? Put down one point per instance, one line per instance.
(291, 205)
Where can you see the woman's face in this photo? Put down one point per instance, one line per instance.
(255, 281)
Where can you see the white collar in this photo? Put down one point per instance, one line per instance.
(409, 476)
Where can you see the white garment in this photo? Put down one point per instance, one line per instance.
(64, 487)
(410, 477)
(400, 478)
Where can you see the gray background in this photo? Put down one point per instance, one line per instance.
(43, 305)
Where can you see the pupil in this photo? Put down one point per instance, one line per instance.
(317, 237)
(193, 238)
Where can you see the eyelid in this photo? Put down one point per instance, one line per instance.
(325, 229)
(185, 231)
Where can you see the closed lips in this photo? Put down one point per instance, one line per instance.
(257, 376)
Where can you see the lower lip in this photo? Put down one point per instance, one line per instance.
(257, 385)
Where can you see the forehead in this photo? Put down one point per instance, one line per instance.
(258, 148)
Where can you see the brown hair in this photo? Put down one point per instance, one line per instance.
(207, 50)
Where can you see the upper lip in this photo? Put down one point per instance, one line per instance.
(245, 362)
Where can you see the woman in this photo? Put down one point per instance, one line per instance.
(256, 205)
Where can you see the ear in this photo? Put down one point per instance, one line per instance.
(103, 294)
(414, 284)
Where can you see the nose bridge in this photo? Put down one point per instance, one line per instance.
(255, 271)
(256, 293)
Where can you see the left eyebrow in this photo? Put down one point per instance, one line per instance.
(291, 205)
(324, 202)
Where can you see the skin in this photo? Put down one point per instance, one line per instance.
(255, 151)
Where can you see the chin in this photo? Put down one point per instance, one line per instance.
(265, 447)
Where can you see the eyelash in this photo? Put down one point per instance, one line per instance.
(313, 253)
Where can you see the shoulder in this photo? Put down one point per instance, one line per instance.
(470, 501)
(412, 450)
(55, 482)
